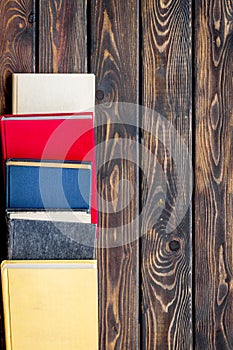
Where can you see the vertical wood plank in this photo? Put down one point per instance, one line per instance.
(17, 44)
(114, 60)
(17, 48)
(62, 44)
(214, 174)
(166, 257)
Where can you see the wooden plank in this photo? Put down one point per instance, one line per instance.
(62, 46)
(17, 44)
(166, 182)
(214, 175)
(114, 60)
(17, 47)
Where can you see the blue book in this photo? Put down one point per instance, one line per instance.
(36, 184)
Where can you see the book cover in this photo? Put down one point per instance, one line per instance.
(48, 136)
(44, 93)
(50, 305)
(32, 184)
(49, 236)
(68, 137)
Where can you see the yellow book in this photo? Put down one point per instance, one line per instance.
(52, 93)
(50, 305)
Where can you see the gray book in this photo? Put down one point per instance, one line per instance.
(31, 238)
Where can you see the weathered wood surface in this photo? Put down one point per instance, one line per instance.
(166, 228)
(62, 36)
(17, 54)
(214, 175)
(114, 60)
(17, 44)
(102, 37)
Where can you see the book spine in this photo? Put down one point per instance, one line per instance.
(6, 307)
(7, 186)
(3, 139)
(10, 239)
(94, 204)
(4, 151)
(14, 94)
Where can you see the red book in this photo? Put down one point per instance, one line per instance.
(52, 137)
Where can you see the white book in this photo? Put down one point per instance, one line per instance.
(52, 93)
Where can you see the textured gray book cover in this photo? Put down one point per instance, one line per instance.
(45, 239)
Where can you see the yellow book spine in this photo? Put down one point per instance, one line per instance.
(6, 305)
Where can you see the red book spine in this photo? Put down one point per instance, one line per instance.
(3, 140)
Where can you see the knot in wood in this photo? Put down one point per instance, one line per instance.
(174, 245)
(99, 95)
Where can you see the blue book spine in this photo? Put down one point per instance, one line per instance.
(48, 185)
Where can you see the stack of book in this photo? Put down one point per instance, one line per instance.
(48, 149)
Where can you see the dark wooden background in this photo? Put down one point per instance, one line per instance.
(165, 290)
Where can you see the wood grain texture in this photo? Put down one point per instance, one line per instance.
(166, 242)
(17, 44)
(214, 175)
(114, 60)
(17, 54)
(62, 36)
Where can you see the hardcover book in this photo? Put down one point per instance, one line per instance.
(67, 137)
(50, 235)
(32, 184)
(43, 136)
(49, 93)
(50, 305)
